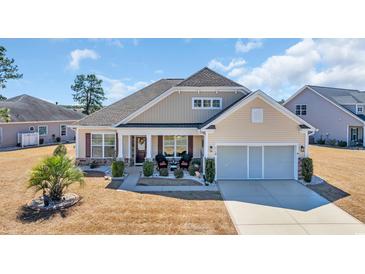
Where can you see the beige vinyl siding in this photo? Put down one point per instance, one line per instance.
(237, 127)
(154, 146)
(177, 108)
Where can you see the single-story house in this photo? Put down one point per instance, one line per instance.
(337, 113)
(35, 121)
(249, 134)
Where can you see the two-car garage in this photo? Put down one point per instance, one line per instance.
(256, 161)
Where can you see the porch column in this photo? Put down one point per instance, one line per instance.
(149, 146)
(363, 136)
(120, 145)
(206, 146)
(129, 147)
(76, 141)
(306, 142)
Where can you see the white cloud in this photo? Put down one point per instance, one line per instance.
(236, 62)
(328, 62)
(116, 89)
(250, 45)
(158, 71)
(79, 54)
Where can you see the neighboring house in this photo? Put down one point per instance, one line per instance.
(249, 135)
(33, 115)
(338, 114)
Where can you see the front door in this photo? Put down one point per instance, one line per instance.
(354, 135)
(140, 149)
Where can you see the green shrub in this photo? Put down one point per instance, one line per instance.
(192, 170)
(164, 172)
(118, 168)
(60, 150)
(179, 173)
(196, 161)
(93, 164)
(307, 169)
(148, 168)
(321, 141)
(331, 142)
(210, 170)
(342, 143)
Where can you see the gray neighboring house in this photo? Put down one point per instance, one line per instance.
(337, 113)
(31, 115)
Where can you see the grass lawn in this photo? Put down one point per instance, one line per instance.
(344, 171)
(102, 210)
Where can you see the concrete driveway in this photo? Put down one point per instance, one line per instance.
(284, 207)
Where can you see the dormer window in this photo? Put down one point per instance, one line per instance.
(360, 109)
(207, 103)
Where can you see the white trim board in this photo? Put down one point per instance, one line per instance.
(260, 94)
(324, 97)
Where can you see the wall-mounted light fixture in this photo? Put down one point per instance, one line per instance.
(302, 148)
(210, 148)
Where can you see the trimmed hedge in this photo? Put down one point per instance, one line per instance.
(164, 172)
(192, 170)
(60, 150)
(307, 169)
(148, 168)
(118, 168)
(179, 173)
(210, 170)
(342, 143)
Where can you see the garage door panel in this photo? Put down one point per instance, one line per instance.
(232, 162)
(279, 162)
(255, 162)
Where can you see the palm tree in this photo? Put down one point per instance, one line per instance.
(53, 175)
(5, 115)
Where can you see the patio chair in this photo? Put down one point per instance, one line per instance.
(185, 160)
(161, 161)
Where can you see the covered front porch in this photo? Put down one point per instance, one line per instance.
(355, 136)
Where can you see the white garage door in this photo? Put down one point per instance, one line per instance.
(255, 162)
(279, 162)
(232, 162)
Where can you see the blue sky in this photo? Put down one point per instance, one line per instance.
(277, 66)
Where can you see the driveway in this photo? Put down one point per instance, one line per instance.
(284, 207)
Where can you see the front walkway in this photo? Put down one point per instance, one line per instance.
(284, 207)
(134, 173)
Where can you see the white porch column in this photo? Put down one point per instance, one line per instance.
(306, 143)
(129, 147)
(206, 147)
(149, 147)
(120, 145)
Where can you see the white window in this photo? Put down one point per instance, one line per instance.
(103, 145)
(207, 103)
(257, 115)
(360, 109)
(175, 146)
(31, 128)
(301, 109)
(63, 130)
(43, 130)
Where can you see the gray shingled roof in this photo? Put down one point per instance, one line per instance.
(208, 78)
(341, 96)
(24, 108)
(121, 109)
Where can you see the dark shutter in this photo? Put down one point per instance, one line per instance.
(87, 145)
(116, 145)
(160, 144)
(190, 144)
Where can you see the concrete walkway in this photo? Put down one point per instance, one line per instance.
(284, 207)
(130, 184)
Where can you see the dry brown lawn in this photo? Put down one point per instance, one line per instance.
(102, 210)
(344, 172)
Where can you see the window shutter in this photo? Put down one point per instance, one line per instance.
(87, 145)
(160, 144)
(190, 144)
(116, 145)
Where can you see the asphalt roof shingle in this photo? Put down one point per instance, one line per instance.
(26, 108)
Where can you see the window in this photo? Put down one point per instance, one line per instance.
(43, 130)
(175, 146)
(207, 103)
(102, 145)
(360, 109)
(301, 109)
(257, 115)
(63, 130)
(31, 128)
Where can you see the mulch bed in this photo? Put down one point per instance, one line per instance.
(166, 182)
(94, 173)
